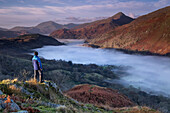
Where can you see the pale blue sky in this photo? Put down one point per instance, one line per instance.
(31, 12)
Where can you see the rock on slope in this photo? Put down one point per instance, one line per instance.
(150, 32)
(99, 96)
(94, 29)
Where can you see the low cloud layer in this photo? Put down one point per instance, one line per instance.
(149, 73)
(24, 13)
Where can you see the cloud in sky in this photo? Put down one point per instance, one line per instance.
(29, 13)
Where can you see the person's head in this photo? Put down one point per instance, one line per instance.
(36, 53)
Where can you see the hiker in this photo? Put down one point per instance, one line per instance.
(37, 67)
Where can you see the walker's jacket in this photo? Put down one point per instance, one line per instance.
(36, 63)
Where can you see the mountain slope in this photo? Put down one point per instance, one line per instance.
(44, 27)
(94, 29)
(147, 33)
(70, 25)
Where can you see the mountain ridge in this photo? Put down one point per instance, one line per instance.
(93, 29)
(44, 27)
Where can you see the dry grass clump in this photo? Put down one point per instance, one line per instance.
(32, 81)
(14, 88)
(8, 81)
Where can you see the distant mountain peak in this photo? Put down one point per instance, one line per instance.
(118, 15)
(47, 23)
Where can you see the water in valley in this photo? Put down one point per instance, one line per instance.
(149, 73)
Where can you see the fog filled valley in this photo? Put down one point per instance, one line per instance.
(149, 73)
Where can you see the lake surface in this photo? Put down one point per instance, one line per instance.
(149, 73)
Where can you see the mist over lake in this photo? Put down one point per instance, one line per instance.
(149, 73)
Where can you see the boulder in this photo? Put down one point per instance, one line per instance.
(22, 89)
(2, 104)
(13, 107)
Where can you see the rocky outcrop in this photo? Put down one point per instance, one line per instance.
(8, 104)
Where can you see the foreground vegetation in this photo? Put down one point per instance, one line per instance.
(47, 98)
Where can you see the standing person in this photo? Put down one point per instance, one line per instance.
(37, 67)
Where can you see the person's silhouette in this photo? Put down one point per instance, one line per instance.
(37, 67)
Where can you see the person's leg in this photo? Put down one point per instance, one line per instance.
(35, 74)
(40, 76)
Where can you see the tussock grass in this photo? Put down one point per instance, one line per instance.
(32, 82)
(8, 81)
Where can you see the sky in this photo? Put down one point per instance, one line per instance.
(32, 12)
